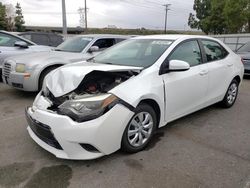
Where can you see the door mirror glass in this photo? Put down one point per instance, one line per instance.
(21, 44)
(178, 65)
(93, 49)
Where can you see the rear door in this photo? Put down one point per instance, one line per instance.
(220, 69)
(186, 91)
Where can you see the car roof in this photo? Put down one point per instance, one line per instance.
(173, 37)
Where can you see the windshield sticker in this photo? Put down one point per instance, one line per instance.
(88, 39)
(165, 43)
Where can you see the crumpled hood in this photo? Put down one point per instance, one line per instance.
(67, 78)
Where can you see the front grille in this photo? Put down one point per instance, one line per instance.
(43, 132)
(6, 69)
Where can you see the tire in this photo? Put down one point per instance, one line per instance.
(231, 95)
(43, 75)
(141, 130)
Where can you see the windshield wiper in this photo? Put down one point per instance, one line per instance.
(91, 59)
(58, 50)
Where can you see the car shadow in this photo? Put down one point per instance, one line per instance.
(247, 77)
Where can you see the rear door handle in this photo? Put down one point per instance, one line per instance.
(203, 72)
(230, 65)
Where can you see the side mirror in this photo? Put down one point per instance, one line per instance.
(173, 66)
(21, 44)
(178, 65)
(93, 49)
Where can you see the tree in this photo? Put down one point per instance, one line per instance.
(246, 13)
(3, 20)
(10, 16)
(19, 20)
(234, 14)
(215, 22)
(221, 16)
(202, 9)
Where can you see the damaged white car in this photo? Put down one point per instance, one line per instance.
(119, 98)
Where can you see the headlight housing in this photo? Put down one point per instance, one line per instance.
(88, 108)
(20, 67)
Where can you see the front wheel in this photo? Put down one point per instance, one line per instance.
(139, 130)
(231, 94)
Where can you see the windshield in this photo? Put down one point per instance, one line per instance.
(245, 48)
(134, 52)
(75, 44)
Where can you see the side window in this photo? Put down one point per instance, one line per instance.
(189, 52)
(8, 40)
(40, 39)
(104, 43)
(214, 51)
(27, 36)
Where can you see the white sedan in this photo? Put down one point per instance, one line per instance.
(119, 98)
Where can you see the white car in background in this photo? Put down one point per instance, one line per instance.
(26, 72)
(119, 98)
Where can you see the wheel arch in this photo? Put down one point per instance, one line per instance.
(155, 106)
(46, 68)
(237, 78)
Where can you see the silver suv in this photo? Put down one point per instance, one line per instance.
(244, 52)
(27, 72)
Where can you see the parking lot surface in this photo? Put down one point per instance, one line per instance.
(210, 148)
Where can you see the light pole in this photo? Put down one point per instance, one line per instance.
(166, 16)
(86, 20)
(64, 18)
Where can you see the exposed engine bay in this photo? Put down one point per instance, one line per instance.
(101, 82)
(94, 83)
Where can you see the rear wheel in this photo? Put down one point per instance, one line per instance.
(231, 94)
(139, 130)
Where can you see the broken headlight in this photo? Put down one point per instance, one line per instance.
(87, 108)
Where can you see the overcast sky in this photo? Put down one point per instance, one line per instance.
(101, 13)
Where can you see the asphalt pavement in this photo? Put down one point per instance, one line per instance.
(210, 148)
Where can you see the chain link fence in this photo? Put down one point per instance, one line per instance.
(234, 41)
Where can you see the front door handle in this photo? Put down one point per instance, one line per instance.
(204, 72)
(230, 65)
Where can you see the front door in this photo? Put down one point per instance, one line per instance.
(186, 91)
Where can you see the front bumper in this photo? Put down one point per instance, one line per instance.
(21, 82)
(104, 133)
